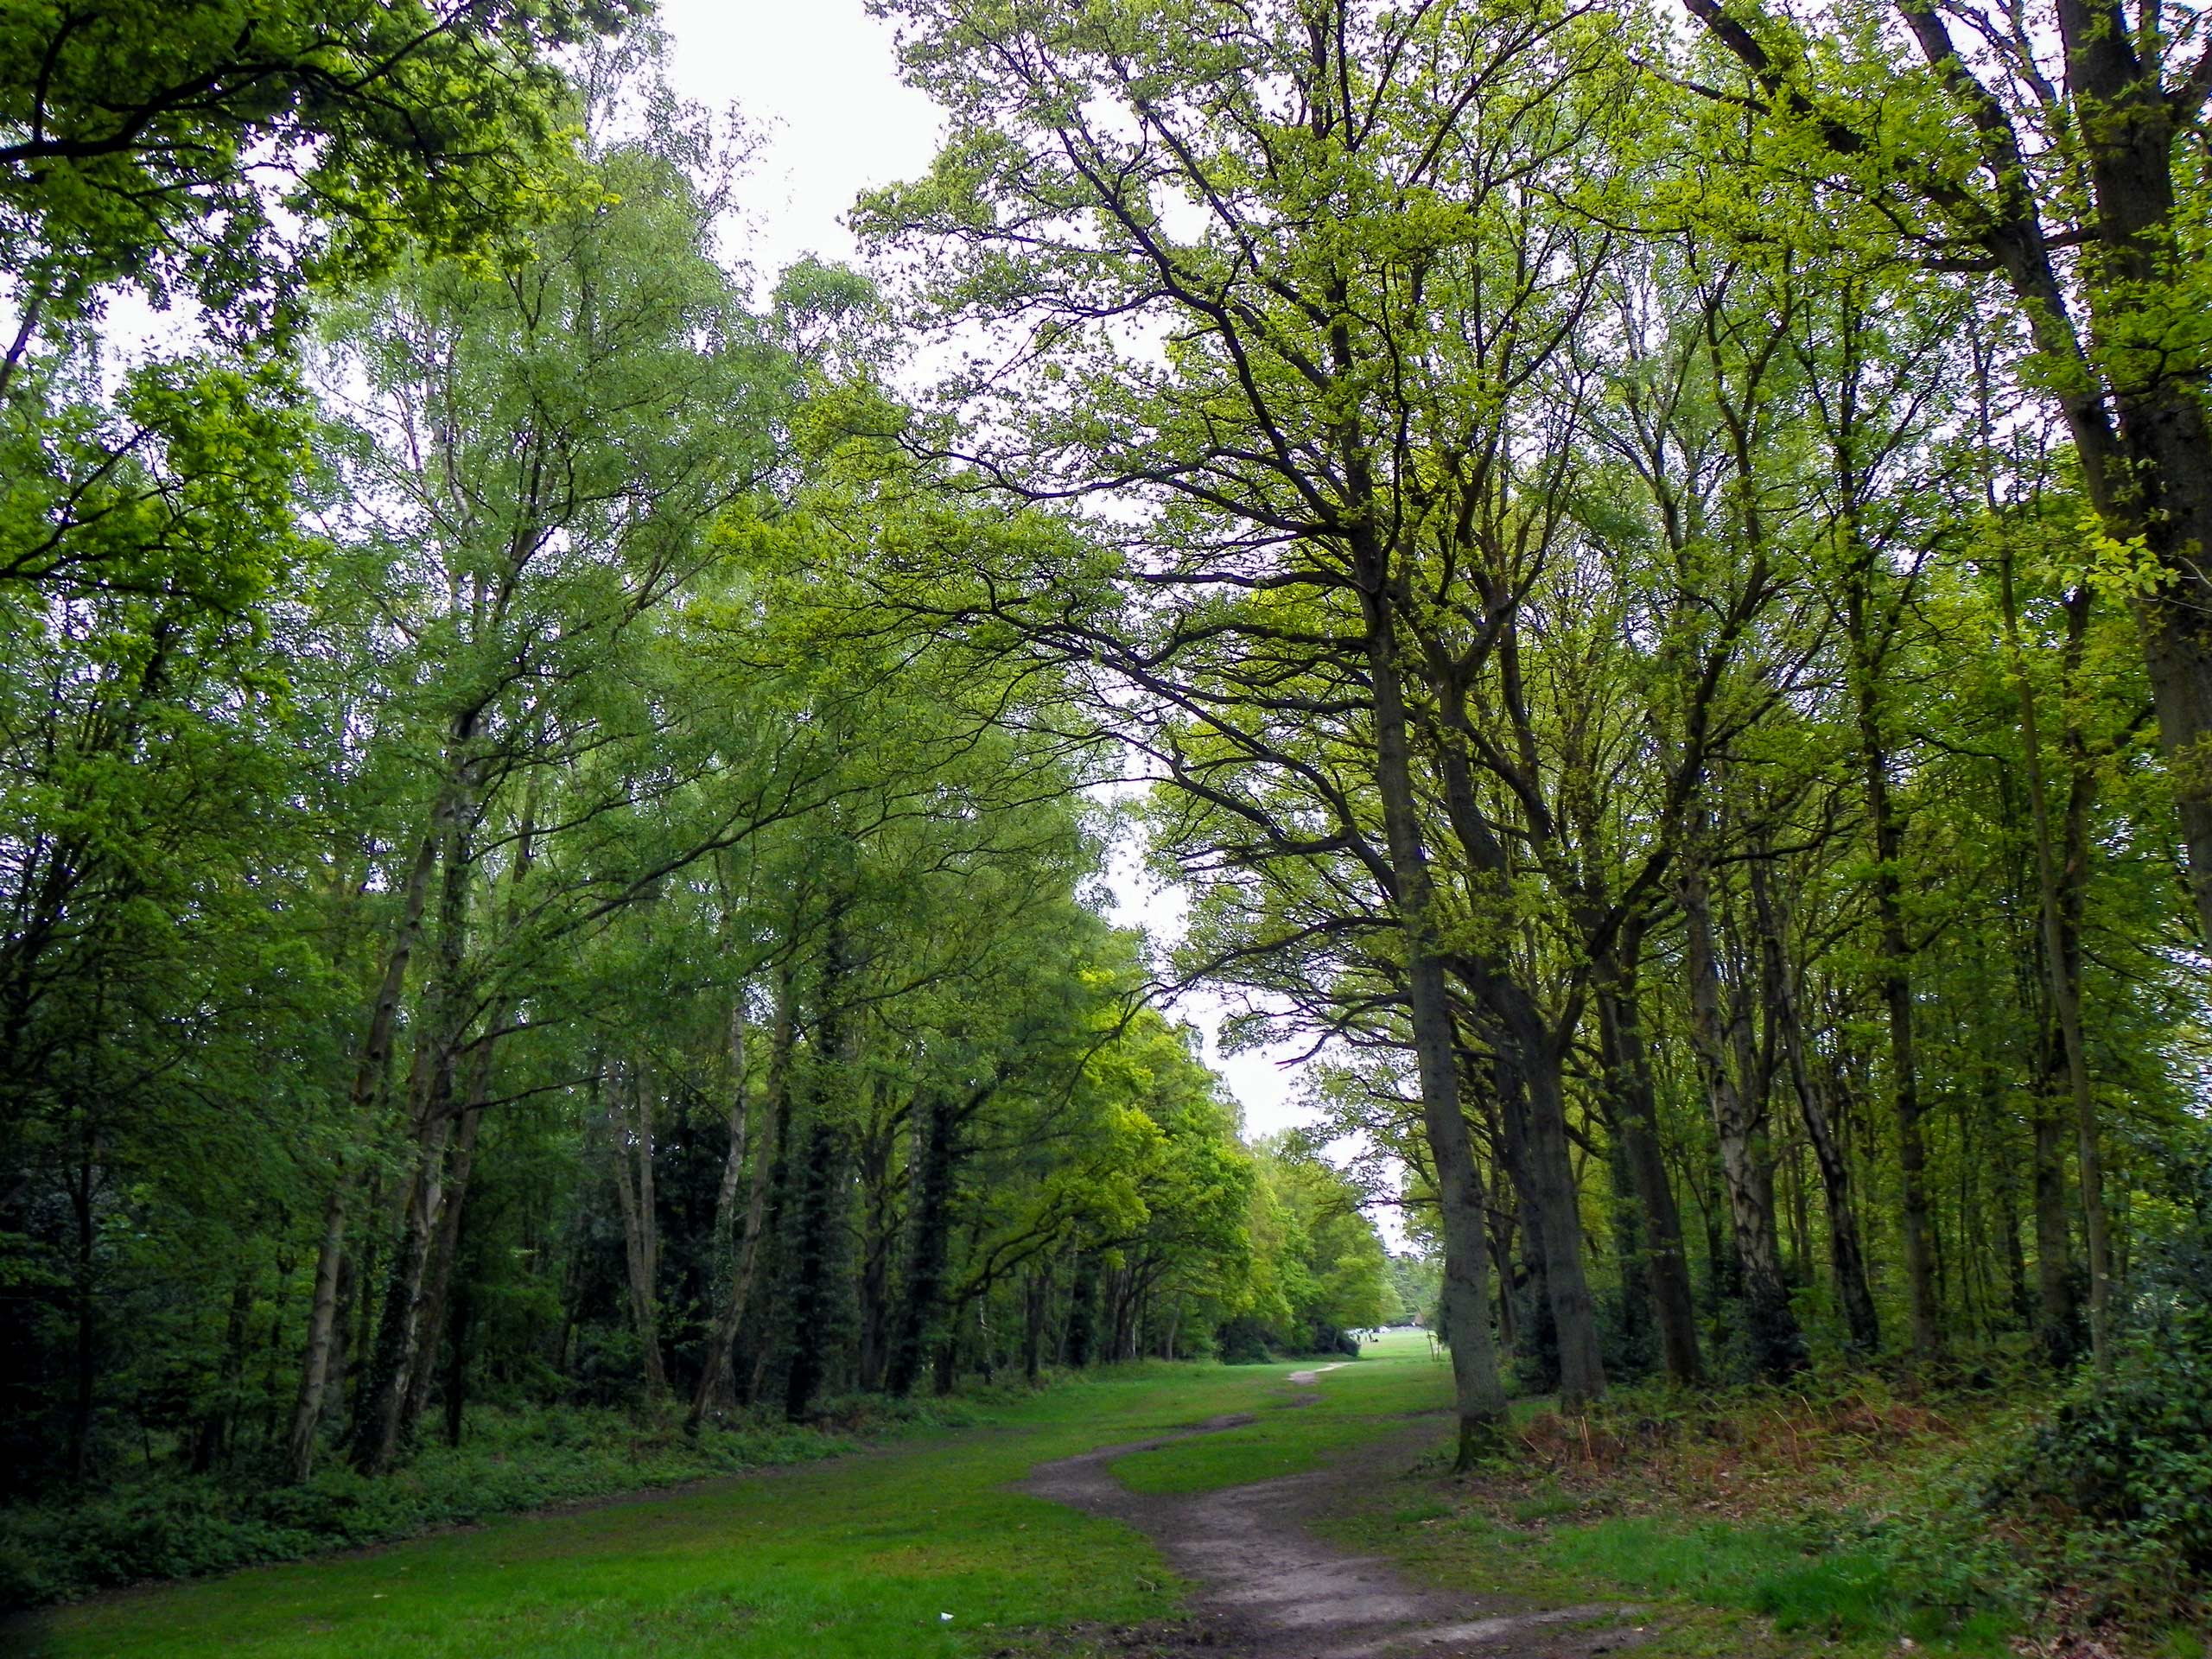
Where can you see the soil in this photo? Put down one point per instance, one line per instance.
(1265, 1587)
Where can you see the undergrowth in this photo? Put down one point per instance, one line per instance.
(2025, 1515)
(1836, 1508)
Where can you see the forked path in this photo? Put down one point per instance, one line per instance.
(1267, 1588)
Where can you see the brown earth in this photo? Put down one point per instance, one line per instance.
(1265, 1587)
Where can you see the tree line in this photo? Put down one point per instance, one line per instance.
(1654, 562)
(484, 929)
(1643, 571)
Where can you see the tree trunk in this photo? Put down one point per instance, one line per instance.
(1573, 1310)
(1847, 1257)
(1895, 952)
(1740, 1120)
(2060, 941)
(378, 1435)
(382, 1427)
(1628, 1068)
(632, 1115)
(1535, 1346)
(2056, 1314)
(1480, 1397)
(86, 1352)
(460, 1163)
(1036, 1300)
(822, 1185)
(714, 1392)
(368, 1076)
(213, 1434)
(875, 1180)
(929, 1235)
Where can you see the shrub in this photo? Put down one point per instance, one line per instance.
(2123, 1464)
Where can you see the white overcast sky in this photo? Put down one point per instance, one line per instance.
(820, 79)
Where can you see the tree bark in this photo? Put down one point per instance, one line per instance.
(632, 1124)
(1628, 1068)
(1480, 1397)
(1847, 1256)
(1894, 949)
(2061, 940)
(382, 1427)
(929, 1234)
(368, 1076)
(714, 1391)
(1739, 1120)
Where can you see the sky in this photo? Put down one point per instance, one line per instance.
(820, 79)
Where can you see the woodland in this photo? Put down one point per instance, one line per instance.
(1639, 569)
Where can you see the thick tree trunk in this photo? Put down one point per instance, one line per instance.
(822, 1185)
(813, 1273)
(876, 1243)
(217, 1424)
(733, 1157)
(460, 1163)
(1567, 1284)
(85, 1353)
(378, 1437)
(1895, 951)
(1740, 1120)
(382, 1427)
(2057, 1316)
(1037, 1296)
(2060, 941)
(1628, 1067)
(1082, 1334)
(1534, 1346)
(929, 1237)
(456, 1382)
(1480, 1395)
(2020, 1298)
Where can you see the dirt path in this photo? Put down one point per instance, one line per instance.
(1268, 1589)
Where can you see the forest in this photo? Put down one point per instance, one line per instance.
(568, 804)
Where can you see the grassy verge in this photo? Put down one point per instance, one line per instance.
(1750, 1523)
(862, 1556)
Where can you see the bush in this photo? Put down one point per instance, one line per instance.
(2124, 1464)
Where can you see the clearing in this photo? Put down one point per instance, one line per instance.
(1153, 1509)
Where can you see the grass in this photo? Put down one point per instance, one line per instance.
(859, 1557)
(865, 1556)
(1357, 1403)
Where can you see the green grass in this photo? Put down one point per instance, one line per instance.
(861, 1557)
(1367, 1399)
(1800, 1584)
(857, 1558)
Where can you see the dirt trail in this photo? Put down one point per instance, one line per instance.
(1268, 1589)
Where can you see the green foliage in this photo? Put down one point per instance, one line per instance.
(191, 148)
(2121, 1466)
